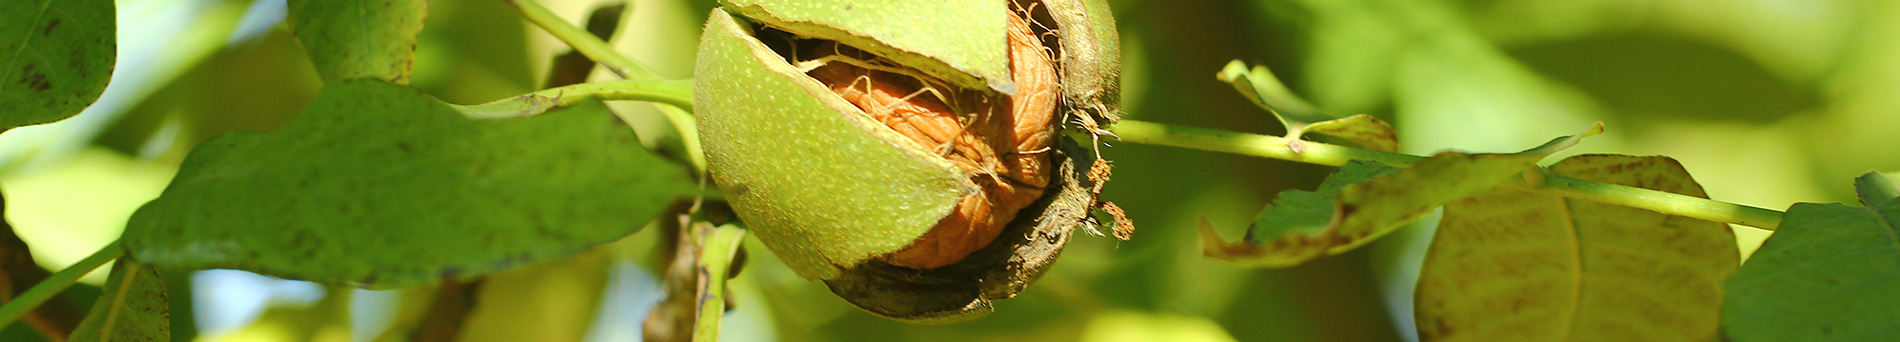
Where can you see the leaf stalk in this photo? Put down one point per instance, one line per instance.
(582, 41)
(57, 282)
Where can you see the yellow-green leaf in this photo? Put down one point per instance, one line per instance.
(55, 58)
(359, 38)
(132, 308)
(1830, 272)
(1260, 86)
(1365, 201)
(1512, 265)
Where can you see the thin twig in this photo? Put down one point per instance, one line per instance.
(583, 41)
(718, 248)
(57, 282)
(677, 93)
(1335, 155)
(58, 316)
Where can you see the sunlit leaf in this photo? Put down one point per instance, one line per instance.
(378, 185)
(1260, 86)
(1511, 265)
(132, 308)
(55, 58)
(359, 38)
(1365, 201)
(1829, 273)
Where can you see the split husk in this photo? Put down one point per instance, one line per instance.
(833, 192)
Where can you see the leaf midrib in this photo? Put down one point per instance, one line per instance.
(1576, 257)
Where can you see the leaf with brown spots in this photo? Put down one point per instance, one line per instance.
(55, 58)
(379, 185)
(132, 308)
(350, 39)
(1298, 225)
(1828, 273)
(1511, 265)
(1366, 200)
(1260, 86)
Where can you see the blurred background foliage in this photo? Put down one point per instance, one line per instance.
(1767, 103)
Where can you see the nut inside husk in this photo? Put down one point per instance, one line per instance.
(999, 140)
(965, 290)
(1030, 241)
(1030, 191)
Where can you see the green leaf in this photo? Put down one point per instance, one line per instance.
(1365, 201)
(359, 38)
(1828, 273)
(54, 60)
(377, 184)
(1295, 222)
(132, 308)
(1875, 189)
(1260, 86)
(1509, 264)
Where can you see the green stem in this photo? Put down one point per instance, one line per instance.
(678, 93)
(1251, 144)
(718, 246)
(1662, 202)
(57, 282)
(1335, 155)
(583, 41)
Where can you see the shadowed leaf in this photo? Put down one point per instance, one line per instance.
(359, 38)
(133, 308)
(1365, 200)
(1509, 264)
(378, 185)
(1260, 86)
(1828, 273)
(1291, 227)
(55, 58)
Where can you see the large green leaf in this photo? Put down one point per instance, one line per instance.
(377, 184)
(1509, 264)
(359, 38)
(132, 308)
(1365, 201)
(1830, 272)
(55, 58)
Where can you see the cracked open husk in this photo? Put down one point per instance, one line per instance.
(833, 192)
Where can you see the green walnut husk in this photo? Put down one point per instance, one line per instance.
(1091, 52)
(830, 191)
(961, 42)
